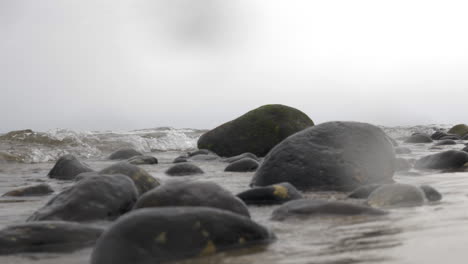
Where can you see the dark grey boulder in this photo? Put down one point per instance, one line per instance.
(204, 157)
(124, 153)
(451, 159)
(142, 179)
(67, 167)
(452, 137)
(200, 152)
(330, 156)
(184, 169)
(438, 135)
(445, 142)
(363, 192)
(243, 165)
(432, 194)
(241, 156)
(396, 195)
(141, 160)
(257, 131)
(419, 138)
(36, 190)
(273, 194)
(180, 159)
(98, 197)
(148, 236)
(402, 150)
(183, 193)
(47, 236)
(309, 208)
(465, 149)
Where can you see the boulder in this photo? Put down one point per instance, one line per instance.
(431, 194)
(330, 156)
(7, 157)
(396, 195)
(67, 167)
(438, 135)
(460, 130)
(257, 131)
(184, 169)
(47, 236)
(204, 157)
(183, 193)
(308, 208)
(167, 234)
(419, 138)
(243, 165)
(273, 194)
(180, 159)
(142, 179)
(451, 159)
(141, 160)
(98, 197)
(363, 192)
(200, 152)
(36, 190)
(452, 137)
(445, 142)
(241, 156)
(124, 153)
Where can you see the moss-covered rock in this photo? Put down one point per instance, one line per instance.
(460, 129)
(257, 131)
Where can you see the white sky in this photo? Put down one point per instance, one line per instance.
(108, 64)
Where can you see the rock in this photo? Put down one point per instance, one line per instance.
(184, 169)
(67, 167)
(167, 234)
(142, 179)
(402, 150)
(363, 192)
(36, 190)
(241, 156)
(438, 135)
(308, 208)
(445, 142)
(451, 159)
(180, 159)
(140, 160)
(257, 131)
(98, 197)
(204, 157)
(201, 152)
(452, 137)
(243, 165)
(419, 138)
(330, 156)
(460, 130)
(402, 165)
(273, 194)
(47, 236)
(396, 195)
(7, 157)
(432, 194)
(183, 193)
(465, 137)
(124, 153)
(465, 149)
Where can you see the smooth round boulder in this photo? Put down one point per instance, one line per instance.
(242, 165)
(438, 135)
(124, 153)
(67, 167)
(148, 236)
(36, 190)
(241, 156)
(98, 197)
(47, 236)
(200, 152)
(308, 208)
(183, 193)
(330, 156)
(432, 194)
(452, 137)
(460, 130)
(396, 195)
(142, 179)
(273, 194)
(180, 159)
(204, 157)
(257, 131)
(445, 142)
(184, 169)
(363, 192)
(402, 150)
(465, 149)
(451, 159)
(419, 138)
(141, 160)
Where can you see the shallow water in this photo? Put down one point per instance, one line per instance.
(432, 233)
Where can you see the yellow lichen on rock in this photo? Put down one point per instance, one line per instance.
(161, 238)
(209, 249)
(280, 191)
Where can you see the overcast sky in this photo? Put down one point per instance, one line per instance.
(109, 64)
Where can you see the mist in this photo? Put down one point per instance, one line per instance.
(99, 65)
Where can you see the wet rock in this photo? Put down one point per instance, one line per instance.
(438, 135)
(98, 197)
(124, 153)
(257, 131)
(173, 233)
(140, 160)
(201, 152)
(36, 190)
(67, 167)
(419, 138)
(396, 195)
(243, 165)
(330, 156)
(431, 194)
(465, 149)
(363, 192)
(7, 157)
(452, 137)
(402, 165)
(241, 156)
(445, 142)
(308, 208)
(184, 169)
(273, 194)
(402, 150)
(451, 159)
(142, 179)
(47, 236)
(465, 137)
(204, 157)
(180, 159)
(460, 130)
(183, 193)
